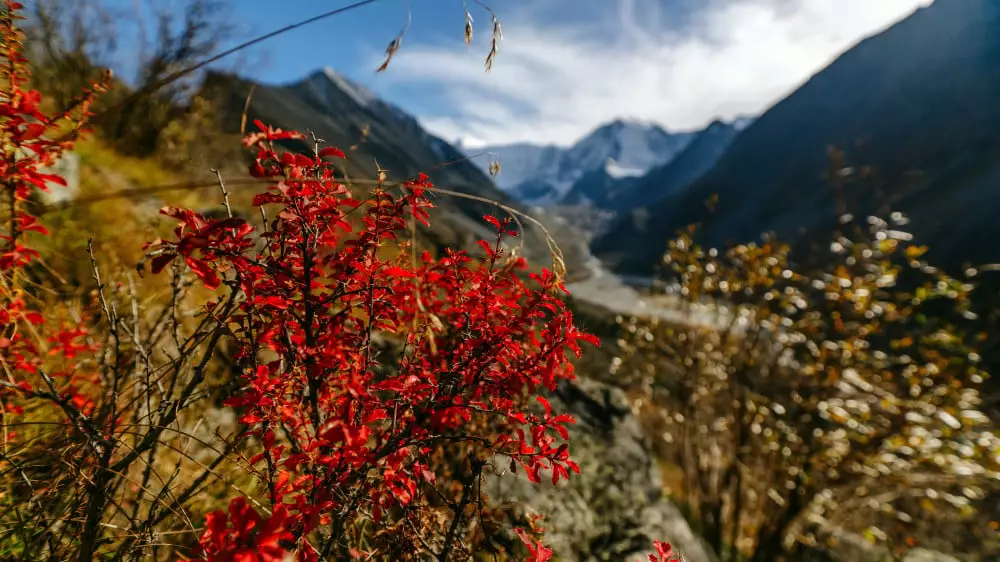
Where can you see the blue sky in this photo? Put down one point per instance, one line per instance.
(567, 66)
(348, 41)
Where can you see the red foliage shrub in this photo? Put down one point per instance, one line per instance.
(342, 441)
(26, 343)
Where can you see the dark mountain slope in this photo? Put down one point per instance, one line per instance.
(599, 189)
(921, 96)
(346, 115)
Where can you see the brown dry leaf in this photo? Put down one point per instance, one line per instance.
(468, 26)
(382, 173)
(495, 43)
(394, 45)
(390, 52)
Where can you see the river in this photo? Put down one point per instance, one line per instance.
(624, 295)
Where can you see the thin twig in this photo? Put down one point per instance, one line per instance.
(225, 193)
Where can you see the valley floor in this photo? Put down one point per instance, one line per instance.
(619, 295)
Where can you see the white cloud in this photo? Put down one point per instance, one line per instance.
(552, 81)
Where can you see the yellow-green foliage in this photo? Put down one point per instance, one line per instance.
(846, 392)
(119, 226)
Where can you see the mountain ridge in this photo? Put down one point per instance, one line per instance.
(599, 188)
(914, 105)
(371, 130)
(613, 155)
(543, 174)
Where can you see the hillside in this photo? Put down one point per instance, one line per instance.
(370, 130)
(915, 105)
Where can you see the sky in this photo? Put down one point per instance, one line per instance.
(567, 66)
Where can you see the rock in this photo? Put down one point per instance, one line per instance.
(924, 555)
(67, 167)
(615, 507)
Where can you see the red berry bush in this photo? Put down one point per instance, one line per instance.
(341, 442)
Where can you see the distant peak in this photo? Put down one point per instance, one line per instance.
(739, 123)
(622, 122)
(361, 95)
(623, 125)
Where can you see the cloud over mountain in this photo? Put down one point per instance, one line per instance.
(558, 73)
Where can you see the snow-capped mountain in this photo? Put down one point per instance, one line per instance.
(613, 156)
(625, 148)
(697, 158)
(542, 175)
(520, 163)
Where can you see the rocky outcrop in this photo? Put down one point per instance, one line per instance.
(67, 166)
(615, 507)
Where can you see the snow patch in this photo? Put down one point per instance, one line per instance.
(616, 171)
(359, 94)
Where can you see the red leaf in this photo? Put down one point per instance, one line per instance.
(545, 403)
(52, 178)
(31, 224)
(161, 261)
(273, 301)
(32, 131)
(331, 151)
(34, 318)
(537, 552)
(398, 272)
(208, 276)
(257, 169)
(265, 198)
(487, 247)
(492, 220)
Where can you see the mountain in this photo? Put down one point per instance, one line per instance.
(695, 160)
(370, 130)
(606, 191)
(520, 163)
(543, 175)
(599, 188)
(914, 108)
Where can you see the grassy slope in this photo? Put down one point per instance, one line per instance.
(119, 227)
